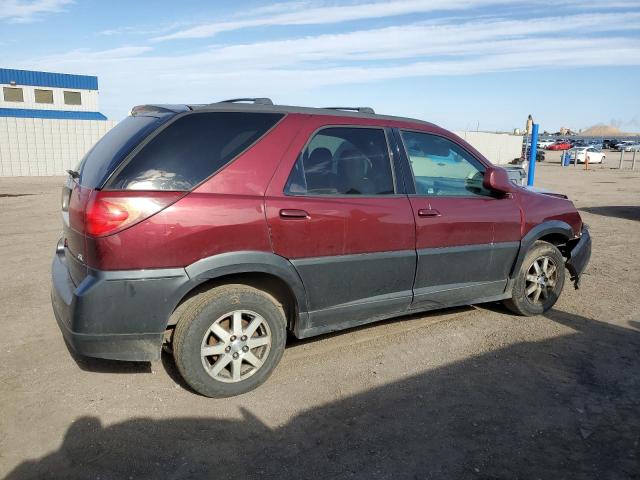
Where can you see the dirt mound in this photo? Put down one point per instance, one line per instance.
(602, 130)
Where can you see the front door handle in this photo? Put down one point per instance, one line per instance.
(428, 212)
(293, 213)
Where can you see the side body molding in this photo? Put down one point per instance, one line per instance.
(537, 232)
(251, 262)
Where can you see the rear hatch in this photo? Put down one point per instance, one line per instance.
(93, 171)
(133, 173)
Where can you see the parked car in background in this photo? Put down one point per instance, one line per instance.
(610, 143)
(217, 230)
(621, 146)
(546, 142)
(632, 147)
(560, 145)
(516, 173)
(593, 154)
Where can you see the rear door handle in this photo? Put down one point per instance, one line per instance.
(293, 213)
(428, 212)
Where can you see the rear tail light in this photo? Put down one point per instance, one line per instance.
(109, 212)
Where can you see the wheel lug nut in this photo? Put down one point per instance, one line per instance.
(243, 338)
(235, 355)
(233, 337)
(228, 349)
(245, 349)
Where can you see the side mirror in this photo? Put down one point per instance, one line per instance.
(497, 180)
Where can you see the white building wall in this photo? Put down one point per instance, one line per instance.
(45, 147)
(499, 148)
(89, 99)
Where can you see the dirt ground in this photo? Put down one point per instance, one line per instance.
(465, 393)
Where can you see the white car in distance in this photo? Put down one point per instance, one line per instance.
(622, 146)
(632, 147)
(594, 155)
(545, 142)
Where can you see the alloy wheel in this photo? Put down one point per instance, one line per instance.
(541, 279)
(235, 346)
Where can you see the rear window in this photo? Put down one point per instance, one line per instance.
(191, 149)
(113, 147)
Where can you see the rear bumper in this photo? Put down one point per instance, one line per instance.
(579, 257)
(116, 315)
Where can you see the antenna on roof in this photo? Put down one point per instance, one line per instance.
(255, 101)
(353, 109)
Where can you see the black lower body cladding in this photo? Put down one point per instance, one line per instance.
(115, 315)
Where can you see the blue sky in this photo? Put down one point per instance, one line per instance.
(462, 64)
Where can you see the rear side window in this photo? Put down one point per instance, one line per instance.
(343, 161)
(191, 149)
(113, 147)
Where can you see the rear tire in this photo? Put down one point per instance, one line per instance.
(539, 282)
(228, 340)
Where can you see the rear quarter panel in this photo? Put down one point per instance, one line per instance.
(225, 213)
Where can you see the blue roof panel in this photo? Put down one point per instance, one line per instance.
(52, 114)
(48, 79)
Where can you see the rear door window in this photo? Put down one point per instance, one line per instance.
(191, 149)
(343, 161)
(113, 147)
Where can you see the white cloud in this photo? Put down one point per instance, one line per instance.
(292, 69)
(301, 13)
(21, 11)
(141, 29)
(419, 40)
(320, 13)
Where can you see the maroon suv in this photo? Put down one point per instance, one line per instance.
(216, 229)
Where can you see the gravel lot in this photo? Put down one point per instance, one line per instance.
(464, 393)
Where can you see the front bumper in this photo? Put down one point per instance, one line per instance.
(118, 315)
(579, 257)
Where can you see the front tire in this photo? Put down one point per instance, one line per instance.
(539, 282)
(228, 340)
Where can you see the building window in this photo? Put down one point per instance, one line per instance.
(12, 94)
(44, 96)
(72, 98)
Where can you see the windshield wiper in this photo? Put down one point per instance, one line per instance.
(73, 173)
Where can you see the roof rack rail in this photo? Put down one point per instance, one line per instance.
(353, 109)
(256, 101)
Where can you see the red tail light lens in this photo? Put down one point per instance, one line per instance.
(110, 212)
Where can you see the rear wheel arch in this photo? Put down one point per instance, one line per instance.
(268, 283)
(264, 271)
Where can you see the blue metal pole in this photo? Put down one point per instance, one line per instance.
(532, 155)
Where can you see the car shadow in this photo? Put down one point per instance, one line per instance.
(626, 212)
(101, 365)
(563, 407)
(293, 342)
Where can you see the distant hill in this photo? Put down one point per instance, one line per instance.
(602, 130)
